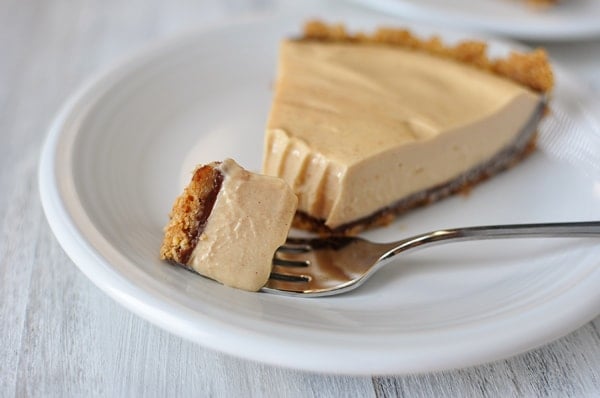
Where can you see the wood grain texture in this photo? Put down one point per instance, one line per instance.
(62, 337)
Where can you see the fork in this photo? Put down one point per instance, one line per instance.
(312, 267)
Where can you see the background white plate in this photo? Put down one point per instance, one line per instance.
(570, 20)
(123, 147)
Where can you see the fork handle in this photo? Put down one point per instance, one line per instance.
(545, 230)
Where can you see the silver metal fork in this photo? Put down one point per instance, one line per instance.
(314, 267)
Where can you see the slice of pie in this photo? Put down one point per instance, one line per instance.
(227, 224)
(364, 127)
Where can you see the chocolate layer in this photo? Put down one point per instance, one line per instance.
(208, 202)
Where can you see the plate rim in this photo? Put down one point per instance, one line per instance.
(161, 313)
(410, 9)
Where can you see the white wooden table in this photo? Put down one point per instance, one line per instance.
(60, 336)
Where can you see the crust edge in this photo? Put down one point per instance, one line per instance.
(531, 69)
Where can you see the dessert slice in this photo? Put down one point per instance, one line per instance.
(228, 223)
(366, 127)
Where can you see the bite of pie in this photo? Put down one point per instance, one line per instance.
(227, 224)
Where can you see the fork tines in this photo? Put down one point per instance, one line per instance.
(287, 266)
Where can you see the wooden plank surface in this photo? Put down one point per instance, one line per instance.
(61, 336)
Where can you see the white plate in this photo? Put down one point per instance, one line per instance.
(123, 147)
(569, 20)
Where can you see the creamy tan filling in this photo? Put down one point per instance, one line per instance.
(250, 219)
(355, 128)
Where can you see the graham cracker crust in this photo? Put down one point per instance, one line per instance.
(532, 69)
(189, 214)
